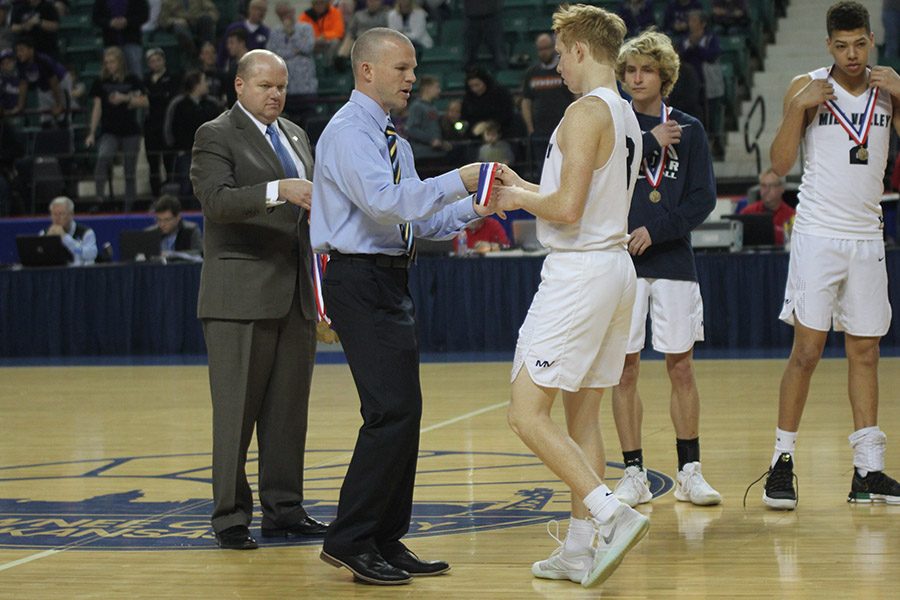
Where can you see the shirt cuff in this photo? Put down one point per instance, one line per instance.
(451, 185)
(272, 199)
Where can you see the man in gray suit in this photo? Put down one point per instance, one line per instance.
(251, 171)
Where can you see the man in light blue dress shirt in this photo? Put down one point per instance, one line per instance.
(367, 198)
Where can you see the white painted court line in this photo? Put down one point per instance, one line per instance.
(28, 559)
(430, 428)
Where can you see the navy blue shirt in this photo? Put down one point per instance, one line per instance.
(688, 190)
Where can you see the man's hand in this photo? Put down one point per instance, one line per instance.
(667, 133)
(639, 242)
(508, 177)
(814, 93)
(296, 191)
(469, 175)
(886, 79)
(55, 230)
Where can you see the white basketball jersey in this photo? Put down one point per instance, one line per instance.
(840, 193)
(604, 224)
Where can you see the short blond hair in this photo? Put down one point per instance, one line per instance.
(601, 30)
(658, 48)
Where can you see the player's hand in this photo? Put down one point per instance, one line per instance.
(639, 242)
(510, 197)
(296, 191)
(508, 177)
(814, 93)
(667, 133)
(885, 78)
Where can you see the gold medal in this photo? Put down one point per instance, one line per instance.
(862, 153)
(655, 196)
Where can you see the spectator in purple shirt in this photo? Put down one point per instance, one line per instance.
(257, 33)
(48, 77)
(675, 21)
(638, 16)
(38, 19)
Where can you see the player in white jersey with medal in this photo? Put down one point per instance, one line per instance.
(574, 336)
(837, 275)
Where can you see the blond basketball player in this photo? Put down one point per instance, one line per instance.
(837, 277)
(575, 334)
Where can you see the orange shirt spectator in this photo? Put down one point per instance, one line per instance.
(326, 20)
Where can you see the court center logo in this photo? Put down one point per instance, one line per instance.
(164, 501)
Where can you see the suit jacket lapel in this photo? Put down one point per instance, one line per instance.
(300, 147)
(258, 144)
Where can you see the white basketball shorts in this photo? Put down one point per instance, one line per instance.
(676, 315)
(576, 330)
(837, 282)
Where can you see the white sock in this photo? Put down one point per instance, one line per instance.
(580, 536)
(602, 503)
(868, 449)
(785, 441)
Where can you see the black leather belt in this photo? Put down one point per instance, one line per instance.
(379, 260)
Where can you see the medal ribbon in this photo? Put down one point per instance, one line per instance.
(319, 263)
(857, 135)
(654, 177)
(485, 183)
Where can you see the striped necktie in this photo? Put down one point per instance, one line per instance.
(405, 228)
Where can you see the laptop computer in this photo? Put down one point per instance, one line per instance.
(525, 234)
(137, 244)
(758, 229)
(42, 251)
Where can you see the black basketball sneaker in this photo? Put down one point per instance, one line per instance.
(779, 492)
(874, 487)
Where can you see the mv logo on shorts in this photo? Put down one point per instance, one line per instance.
(543, 363)
(163, 502)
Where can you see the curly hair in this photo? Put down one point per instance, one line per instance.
(847, 16)
(601, 30)
(658, 48)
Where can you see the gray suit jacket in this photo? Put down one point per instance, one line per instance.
(253, 256)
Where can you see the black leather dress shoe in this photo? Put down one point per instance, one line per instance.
(368, 567)
(236, 538)
(307, 527)
(417, 567)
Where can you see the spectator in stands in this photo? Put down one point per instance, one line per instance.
(453, 127)
(77, 88)
(176, 234)
(410, 20)
(150, 25)
(701, 49)
(484, 24)
(730, 16)
(215, 78)
(438, 12)
(771, 201)
(687, 95)
(186, 113)
(10, 90)
(121, 21)
(7, 36)
(11, 150)
(638, 16)
(373, 14)
(544, 97)
(48, 77)
(483, 235)
(117, 97)
(423, 126)
(486, 100)
(675, 21)
(191, 21)
(78, 239)
(38, 19)
(256, 33)
(295, 43)
(494, 149)
(161, 86)
(328, 25)
(890, 18)
(236, 46)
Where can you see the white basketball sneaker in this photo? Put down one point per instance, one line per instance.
(633, 488)
(615, 538)
(691, 487)
(562, 565)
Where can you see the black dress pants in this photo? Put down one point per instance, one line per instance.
(372, 312)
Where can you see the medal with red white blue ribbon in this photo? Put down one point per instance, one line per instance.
(485, 183)
(654, 176)
(858, 133)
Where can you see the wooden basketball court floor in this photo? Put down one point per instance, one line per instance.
(104, 491)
